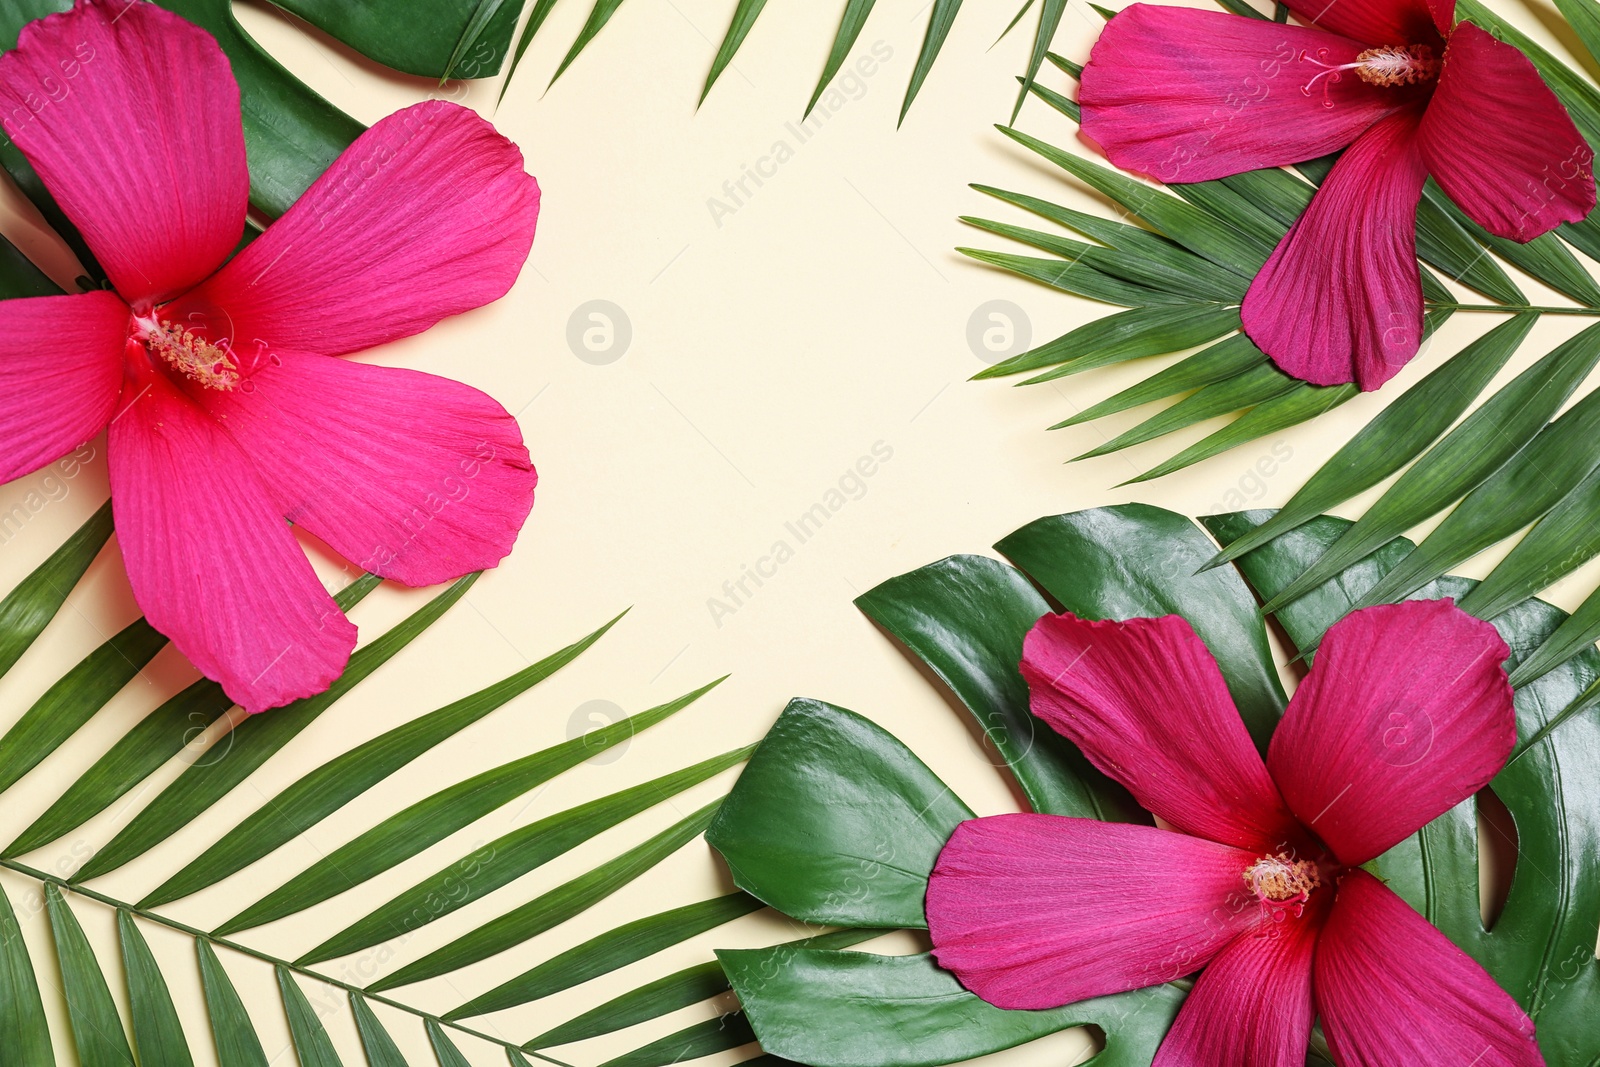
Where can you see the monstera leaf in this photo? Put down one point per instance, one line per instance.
(835, 820)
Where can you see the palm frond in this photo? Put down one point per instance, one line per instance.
(250, 839)
(941, 18)
(1498, 463)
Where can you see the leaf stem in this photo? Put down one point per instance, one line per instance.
(173, 924)
(1518, 309)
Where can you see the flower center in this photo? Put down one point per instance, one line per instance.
(1389, 66)
(1282, 879)
(191, 355)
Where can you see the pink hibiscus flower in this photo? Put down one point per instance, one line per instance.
(1185, 96)
(1405, 713)
(227, 411)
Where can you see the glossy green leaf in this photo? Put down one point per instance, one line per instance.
(235, 1036)
(1558, 544)
(1484, 440)
(311, 1042)
(744, 17)
(1126, 335)
(608, 951)
(291, 134)
(850, 23)
(418, 36)
(940, 20)
(966, 617)
(863, 821)
(157, 1033)
(1396, 435)
(1135, 560)
(341, 779)
(75, 699)
(509, 857)
(24, 1030)
(1186, 224)
(376, 1044)
(691, 1043)
(443, 1048)
(96, 1027)
(30, 606)
(1541, 948)
(554, 907)
(846, 1009)
(436, 817)
(1530, 483)
(254, 741)
(155, 739)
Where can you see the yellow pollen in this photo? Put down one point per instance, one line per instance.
(1282, 878)
(193, 356)
(1396, 64)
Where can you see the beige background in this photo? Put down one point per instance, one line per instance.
(771, 348)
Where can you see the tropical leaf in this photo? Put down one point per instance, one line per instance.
(1495, 459)
(860, 856)
(249, 839)
(291, 136)
(941, 17)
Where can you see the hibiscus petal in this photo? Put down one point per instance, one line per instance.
(1185, 95)
(212, 563)
(411, 476)
(1392, 989)
(1341, 299)
(1380, 22)
(131, 117)
(1146, 703)
(428, 214)
(60, 373)
(1036, 911)
(1501, 145)
(1405, 713)
(1251, 1006)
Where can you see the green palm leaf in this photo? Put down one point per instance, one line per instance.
(291, 136)
(1490, 458)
